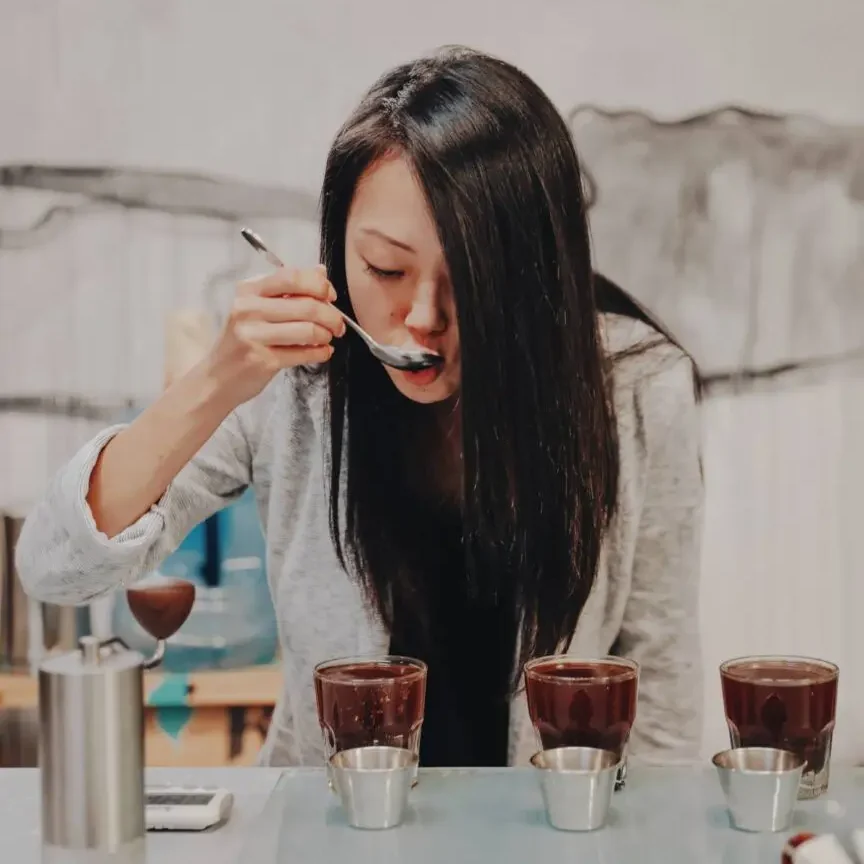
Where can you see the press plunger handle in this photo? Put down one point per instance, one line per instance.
(161, 609)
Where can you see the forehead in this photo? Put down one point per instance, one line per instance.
(389, 198)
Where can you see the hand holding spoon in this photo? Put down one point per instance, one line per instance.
(398, 358)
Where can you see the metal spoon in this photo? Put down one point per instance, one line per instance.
(398, 358)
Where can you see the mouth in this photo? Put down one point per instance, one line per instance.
(423, 377)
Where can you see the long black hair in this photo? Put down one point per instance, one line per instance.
(540, 452)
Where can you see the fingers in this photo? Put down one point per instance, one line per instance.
(289, 281)
(290, 357)
(284, 335)
(279, 310)
(289, 313)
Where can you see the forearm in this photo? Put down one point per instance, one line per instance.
(137, 465)
(129, 496)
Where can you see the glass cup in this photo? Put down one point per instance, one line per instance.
(788, 703)
(583, 703)
(370, 701)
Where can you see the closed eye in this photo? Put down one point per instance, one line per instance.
(384, 274)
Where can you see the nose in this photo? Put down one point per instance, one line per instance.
(425, 312)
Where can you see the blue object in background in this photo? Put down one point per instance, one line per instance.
(170, 700)
(232, 623)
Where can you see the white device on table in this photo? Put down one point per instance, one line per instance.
(186, 808)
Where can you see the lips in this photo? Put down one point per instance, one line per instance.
(423, 377)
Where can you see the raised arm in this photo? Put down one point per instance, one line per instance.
(128, 498)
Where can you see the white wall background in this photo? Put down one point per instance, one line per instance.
(256, 91)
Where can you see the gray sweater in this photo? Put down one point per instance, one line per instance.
(644, 600)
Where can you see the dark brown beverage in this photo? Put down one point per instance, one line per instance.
(576, 703)
(161, 606)
(362, 703)
(785, 703)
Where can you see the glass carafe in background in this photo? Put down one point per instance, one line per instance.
(788, 703)
(368, 701)
(583, 703)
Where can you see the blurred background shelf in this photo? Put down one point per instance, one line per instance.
(253, 686)
(206, 718)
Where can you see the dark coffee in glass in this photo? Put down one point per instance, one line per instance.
(364, 702)
(583, 703)
(788, 703)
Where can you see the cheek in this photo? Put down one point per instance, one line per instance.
(366, 297)
(375, 304)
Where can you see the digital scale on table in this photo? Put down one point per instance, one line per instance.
(186, 808)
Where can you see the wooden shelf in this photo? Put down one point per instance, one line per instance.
(212, 718)
(254, 686)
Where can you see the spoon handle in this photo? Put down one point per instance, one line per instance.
(357, 328)
(258, 245)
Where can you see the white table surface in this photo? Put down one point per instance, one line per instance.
(496, 816)
(664, 816)
(20, 830)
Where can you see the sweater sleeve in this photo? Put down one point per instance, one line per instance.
(660, 628)
(63, 558)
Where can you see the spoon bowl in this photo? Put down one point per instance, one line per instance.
(397, 358)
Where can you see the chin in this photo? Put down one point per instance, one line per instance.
(422, 387)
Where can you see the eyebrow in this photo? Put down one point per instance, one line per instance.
(387, 238)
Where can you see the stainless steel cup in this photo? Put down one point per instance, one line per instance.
(91, 723)
(760, 785)
(577, 785)
(373, 784)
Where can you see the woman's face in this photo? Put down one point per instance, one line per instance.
(397, 276)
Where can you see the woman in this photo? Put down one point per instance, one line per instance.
(540, 491)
